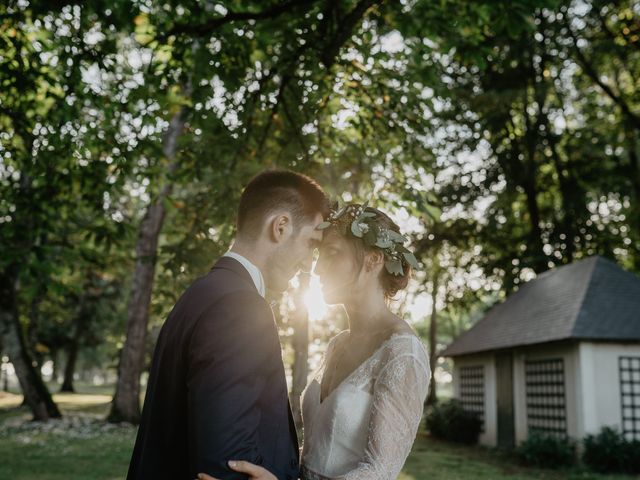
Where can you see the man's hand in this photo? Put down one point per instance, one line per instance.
(255, 472)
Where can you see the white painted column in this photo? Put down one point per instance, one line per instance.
(587, 418)
(490, 435)
(519, 398)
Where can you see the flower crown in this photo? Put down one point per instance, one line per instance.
(361, 222)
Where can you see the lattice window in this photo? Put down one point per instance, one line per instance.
(472, 390)
(546, 406)
(630, 395)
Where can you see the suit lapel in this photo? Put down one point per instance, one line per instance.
(292, 430)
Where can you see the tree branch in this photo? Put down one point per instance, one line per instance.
(590, 70)
(345, 30)
(231, 16)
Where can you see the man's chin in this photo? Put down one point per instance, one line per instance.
(279, 286)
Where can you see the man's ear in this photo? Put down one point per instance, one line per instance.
(280, 227)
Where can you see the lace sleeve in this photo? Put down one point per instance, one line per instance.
(399, 393)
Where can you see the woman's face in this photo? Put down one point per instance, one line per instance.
(337, 268)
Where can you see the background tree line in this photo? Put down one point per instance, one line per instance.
(507, 133)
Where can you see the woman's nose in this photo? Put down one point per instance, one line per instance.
(306, 266)
(319, 267)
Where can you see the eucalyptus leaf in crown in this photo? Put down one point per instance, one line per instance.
(360, 221)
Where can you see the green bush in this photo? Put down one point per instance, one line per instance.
(610, 452)
(449, 421)
(544, 450)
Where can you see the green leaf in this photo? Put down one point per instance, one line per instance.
(411, 259)
(382, 243)
(394, 267)
(340, 212)
(370, 238)
(396, 237)
(323, 225)
(433, 211)
(355, 229)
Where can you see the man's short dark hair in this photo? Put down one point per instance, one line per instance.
(275, 190)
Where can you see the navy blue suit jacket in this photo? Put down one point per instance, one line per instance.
(217, 389)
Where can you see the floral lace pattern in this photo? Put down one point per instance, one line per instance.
(366, 435)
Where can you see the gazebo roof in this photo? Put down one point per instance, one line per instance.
(591, 299)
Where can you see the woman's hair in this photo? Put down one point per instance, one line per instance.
(391, 284)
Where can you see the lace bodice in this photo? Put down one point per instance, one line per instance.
(366, 426)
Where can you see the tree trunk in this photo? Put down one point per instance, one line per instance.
(126, 401)
(70, 367)
(4, 373)
(5, 378)
(36, 394)
(55, 364)
(569, 213)
(31, 336)
(538, 257)
(301, 351)
(433, 344)
(74, 346)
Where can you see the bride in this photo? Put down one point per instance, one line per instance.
(362, 408)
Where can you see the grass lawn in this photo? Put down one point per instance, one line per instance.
(81, 446)
(436, 460)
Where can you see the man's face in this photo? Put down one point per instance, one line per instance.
(295, 254)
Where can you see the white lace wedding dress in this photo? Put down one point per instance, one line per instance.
(366, 426)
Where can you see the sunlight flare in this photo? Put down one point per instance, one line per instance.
(314, 300)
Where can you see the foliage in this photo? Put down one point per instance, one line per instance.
(544, 450)
(450, 421)
(508, 135)
(609, 451)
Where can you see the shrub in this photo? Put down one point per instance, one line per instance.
(544, 450)
(449, 421)
(610, 452)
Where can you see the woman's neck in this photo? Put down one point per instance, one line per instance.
(368, 315)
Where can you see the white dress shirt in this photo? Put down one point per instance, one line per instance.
(256, 274)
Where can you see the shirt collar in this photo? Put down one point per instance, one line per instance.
(256, 274)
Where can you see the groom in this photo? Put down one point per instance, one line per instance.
(217, 389)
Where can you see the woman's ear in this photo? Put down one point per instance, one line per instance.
(373, 259)
(280, 227)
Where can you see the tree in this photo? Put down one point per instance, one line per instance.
(278, 86)
(54, 171)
